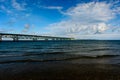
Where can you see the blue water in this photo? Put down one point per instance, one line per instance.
(81, 51)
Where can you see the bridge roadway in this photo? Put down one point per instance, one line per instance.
(17, 37)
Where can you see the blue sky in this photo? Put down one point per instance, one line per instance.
(82, 19)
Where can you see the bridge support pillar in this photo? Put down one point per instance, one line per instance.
(0, 37)
(34, 39)
(46, 39)
(61, 39)
(15, 39)
(53, 39)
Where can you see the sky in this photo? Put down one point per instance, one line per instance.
(80, 19)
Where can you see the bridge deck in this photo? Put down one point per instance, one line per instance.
(16, 37)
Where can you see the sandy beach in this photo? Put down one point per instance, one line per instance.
(58, 71)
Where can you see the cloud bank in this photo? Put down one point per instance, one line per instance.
(86, 19)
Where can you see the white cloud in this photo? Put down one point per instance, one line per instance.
(85, 19)
(53, 7)
(26, 28)
(75, 28)
(3, 8)
(99, 11)
(17, 5)
(100, 36)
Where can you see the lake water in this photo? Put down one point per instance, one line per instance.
(78, 51)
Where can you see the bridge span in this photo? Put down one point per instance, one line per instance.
(18, 37)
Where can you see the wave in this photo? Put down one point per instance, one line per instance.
(31, 54)
(91, 57)
(7, 55)
(58, 59)
(41, 53)
(102, 56)
(9, 51)
(103, 49)
(49, 53)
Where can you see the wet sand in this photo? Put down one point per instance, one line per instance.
(58, 71)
